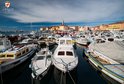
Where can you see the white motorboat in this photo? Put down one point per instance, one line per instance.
(65, 58)
(65, 41)
(108, 58)
(27, 40)
(82, 41)
(41, 63)
(12, 56)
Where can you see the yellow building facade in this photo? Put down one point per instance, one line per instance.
(113, 26)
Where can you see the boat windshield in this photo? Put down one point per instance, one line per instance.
(61, 53)
(1, 55)
(69, 53)
(43, 52)
(49, 56)
(69, 42)
(40, 57)
(10, 55)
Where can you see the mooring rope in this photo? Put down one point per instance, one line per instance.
(66, 66)
(71, 78)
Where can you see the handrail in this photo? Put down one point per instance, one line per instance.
(64, 62)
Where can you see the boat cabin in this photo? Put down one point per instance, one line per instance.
(13, 53)
(65, 41)
(65, 51)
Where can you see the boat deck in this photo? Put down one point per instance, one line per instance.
(113, 50)
(116, 68)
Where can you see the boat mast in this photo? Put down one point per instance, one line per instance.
(31, 26)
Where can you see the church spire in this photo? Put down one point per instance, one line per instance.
(63, 22)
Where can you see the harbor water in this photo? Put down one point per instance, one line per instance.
(83, 74)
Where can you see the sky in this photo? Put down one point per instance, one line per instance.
(52, 12)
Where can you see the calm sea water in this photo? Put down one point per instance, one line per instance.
(13, 33)
(83, 74)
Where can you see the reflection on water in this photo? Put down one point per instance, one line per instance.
(55, 76)
(82, 74)
(65, 78)
(86, 74)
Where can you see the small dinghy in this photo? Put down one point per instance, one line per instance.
(41, 63)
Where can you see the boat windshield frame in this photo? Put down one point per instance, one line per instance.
(68, 53)
(65, 53)
(40, 58)
(61, 53)
(68, 41)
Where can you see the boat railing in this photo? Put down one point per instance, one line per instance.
(62, 62)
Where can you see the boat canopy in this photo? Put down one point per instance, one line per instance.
(113, 50)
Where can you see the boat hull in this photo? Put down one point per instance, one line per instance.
(9, 65)
(63, 68)
(41, 63)
(106, 73)
(41, 75)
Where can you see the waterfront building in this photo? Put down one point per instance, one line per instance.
(113, 26)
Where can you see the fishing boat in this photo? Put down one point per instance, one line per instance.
(51, 40)
(82, 41)
(41, 63)
(1, 35)
(12, 56)
(108, 59)
(64, 57)
(27, 41)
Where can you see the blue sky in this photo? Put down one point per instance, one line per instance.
(51, 12)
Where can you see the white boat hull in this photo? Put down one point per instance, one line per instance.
(40, 69)
(113, 77)
(67, 66)
(65, 58)
(41, 63)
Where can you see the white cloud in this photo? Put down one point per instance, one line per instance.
(89, 10)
